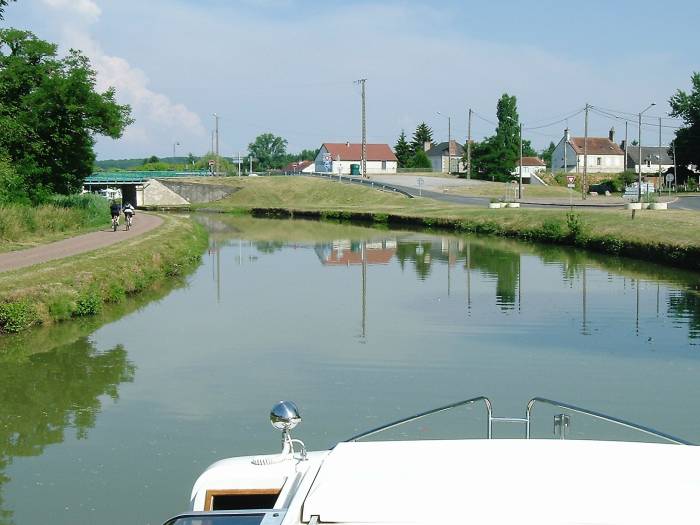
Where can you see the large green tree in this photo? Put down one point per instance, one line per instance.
(497, 156)
(402, 150)
(50, 113)
(687, 107)
(422, 135)
(270, 151)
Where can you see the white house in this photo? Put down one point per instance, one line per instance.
(604, 156)
(439, 157)
(338, 158)
(651, 155)
(531, 167)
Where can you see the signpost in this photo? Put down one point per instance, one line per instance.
(571, 184)
(669, 181)
(420, 186)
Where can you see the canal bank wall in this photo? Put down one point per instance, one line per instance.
(569, 231)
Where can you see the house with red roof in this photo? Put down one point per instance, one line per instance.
(300, 166)
(604, 155)
(339, 158)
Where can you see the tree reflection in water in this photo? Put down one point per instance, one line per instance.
(43, 394)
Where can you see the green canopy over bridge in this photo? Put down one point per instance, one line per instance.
(121, 178)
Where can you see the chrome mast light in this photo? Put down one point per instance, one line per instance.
(285, 416)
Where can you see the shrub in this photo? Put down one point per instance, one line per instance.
(552, 230)
(17, 316)
(381, 217)
(576, 227)
(89, 303)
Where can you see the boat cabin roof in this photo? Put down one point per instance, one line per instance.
(506, 481)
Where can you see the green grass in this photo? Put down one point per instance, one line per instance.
(306, 192)
(81, 285)
(671, 237)
(24, 226)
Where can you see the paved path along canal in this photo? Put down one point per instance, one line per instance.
(78, 244)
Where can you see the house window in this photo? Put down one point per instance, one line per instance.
(383, 165)
(599, 161)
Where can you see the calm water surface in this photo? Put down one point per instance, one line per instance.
(112, 423)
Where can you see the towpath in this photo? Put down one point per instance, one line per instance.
(79, 244)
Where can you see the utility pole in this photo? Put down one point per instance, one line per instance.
(625, 145)
(362, 82)
(566, 144)
(174, 145)
(239, 163)
(520, 176)
(449, 145)
(659, 153)
(639, 161)
(469, 145)
(675, 171)
(216, 152)
(585, 157)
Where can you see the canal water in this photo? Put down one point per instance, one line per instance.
(111, 420)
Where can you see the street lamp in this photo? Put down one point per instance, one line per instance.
(639, 162)
(175, 144)
(449, 141)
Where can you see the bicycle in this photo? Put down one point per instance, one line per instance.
(115, 222)
(128, 217)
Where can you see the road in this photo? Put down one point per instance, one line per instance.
(686, 203)
(79, 244)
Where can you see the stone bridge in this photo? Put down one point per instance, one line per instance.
(159, 189)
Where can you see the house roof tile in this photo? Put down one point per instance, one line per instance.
(533, 161)
(349, 151)
(596, 146)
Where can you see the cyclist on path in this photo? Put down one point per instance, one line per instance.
(115, 209)
(129, 212)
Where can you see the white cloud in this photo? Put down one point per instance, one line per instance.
(85, 8)
(156, 115)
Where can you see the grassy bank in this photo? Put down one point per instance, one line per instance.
(670, 237)
(24, 226)
(80, 286)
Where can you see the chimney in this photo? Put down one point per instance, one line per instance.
(347, 144)
(611, 135)
(427, 145)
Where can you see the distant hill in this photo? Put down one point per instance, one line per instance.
(124, 164)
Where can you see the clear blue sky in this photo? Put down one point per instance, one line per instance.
(287, 66)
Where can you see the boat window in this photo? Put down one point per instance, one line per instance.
(240, 499)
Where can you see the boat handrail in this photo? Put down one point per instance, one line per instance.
(601, 416)
(422, 415)
(561, 421)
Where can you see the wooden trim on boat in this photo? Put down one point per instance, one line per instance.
(210, 494)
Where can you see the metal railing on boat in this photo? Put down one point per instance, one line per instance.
(562, 421)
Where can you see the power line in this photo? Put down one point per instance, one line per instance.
(485, 119)
(603, 113)
(572, 115)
